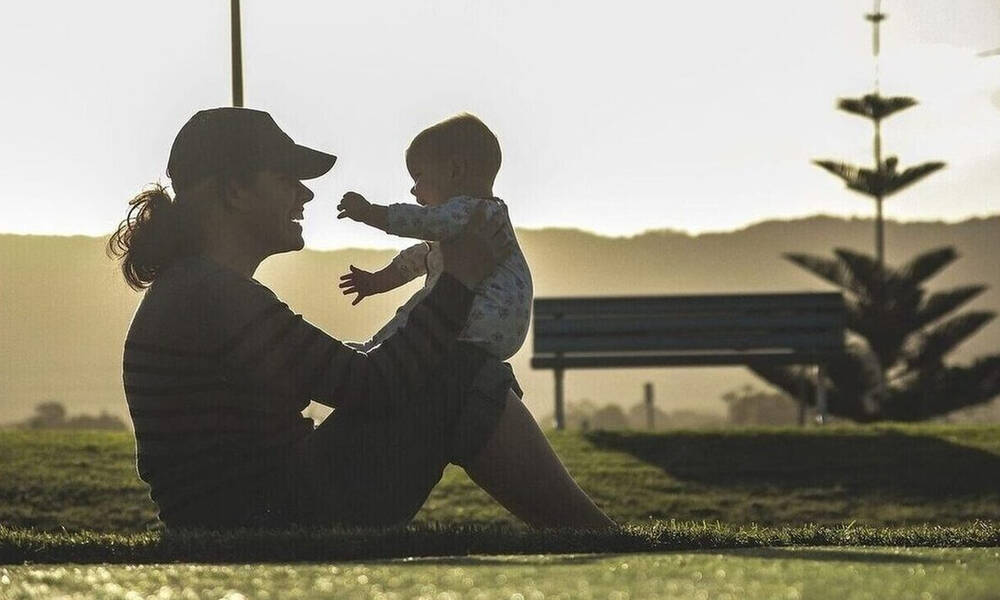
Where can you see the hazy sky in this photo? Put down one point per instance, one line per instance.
(614, 117)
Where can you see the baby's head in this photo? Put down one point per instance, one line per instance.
(458, 156)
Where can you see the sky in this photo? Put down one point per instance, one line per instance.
(614, 117)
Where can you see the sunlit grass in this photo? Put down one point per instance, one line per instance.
(771, 573)
(298, 545)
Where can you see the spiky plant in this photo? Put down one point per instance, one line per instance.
(900, 335)
(885, 179)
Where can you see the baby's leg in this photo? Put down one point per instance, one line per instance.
(495, 330)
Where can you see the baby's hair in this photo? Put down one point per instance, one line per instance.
(462, 135)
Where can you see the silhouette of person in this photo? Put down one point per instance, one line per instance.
(217, 370)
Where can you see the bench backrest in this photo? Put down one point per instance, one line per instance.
(704, 329)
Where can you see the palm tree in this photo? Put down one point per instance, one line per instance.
(899, 335)
(885, 179)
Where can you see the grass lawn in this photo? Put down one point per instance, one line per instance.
(840, 512)
(771, 573)
(895, 475)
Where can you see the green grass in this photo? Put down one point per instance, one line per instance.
(879, 476)
(841, 513)
(771, 573)
(22, 545)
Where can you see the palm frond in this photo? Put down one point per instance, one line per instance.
(941, 303)
(874, 106)
(883, 182)
(849, 383)
(889, 182)
(864, 270)
(945, 337)
(793, 381)
(856, 178)
(946, 390)
(825, 268)
(926, 265)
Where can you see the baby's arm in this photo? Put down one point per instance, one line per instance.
(405, 267)
(433, 223)
(354, 206)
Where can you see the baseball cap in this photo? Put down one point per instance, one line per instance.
(228, 139)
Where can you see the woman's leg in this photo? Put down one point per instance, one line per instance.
(360, 468)
(521, 471)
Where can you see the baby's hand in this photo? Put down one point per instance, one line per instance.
(358, 282)
(354, 206)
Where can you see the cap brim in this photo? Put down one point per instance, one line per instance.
(306, 163)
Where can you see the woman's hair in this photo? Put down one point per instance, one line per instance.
(157, 231)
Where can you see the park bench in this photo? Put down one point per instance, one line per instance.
(703, 330)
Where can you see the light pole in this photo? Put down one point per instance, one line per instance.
(237, 53)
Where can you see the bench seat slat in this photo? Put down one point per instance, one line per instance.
(637, 342)
(704, 325)
(728, 303)
(595, 361)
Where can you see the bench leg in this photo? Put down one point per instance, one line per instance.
(820, 395)
(560, 413)
(803, 399)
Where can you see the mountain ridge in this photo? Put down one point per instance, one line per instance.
(66, 308)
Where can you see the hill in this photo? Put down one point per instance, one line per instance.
(65, 308)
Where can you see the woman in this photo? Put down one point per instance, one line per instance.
(217, 369)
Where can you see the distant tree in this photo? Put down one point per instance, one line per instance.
(101, 421)
(48, 414)
(900, 335)
(636, 416)
(690, 419)
(52, 415)
(751, 406)
(677, 419)
(585, 415)
(609, 417)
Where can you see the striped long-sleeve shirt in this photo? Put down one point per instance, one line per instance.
(217, 371)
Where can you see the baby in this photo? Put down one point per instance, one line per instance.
(453, 165)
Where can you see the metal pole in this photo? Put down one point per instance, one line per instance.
(650, 423)
(237, 54)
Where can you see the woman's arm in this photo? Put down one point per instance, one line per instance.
(268, 347)
(277, 351)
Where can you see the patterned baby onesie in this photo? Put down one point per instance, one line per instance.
(501, 310)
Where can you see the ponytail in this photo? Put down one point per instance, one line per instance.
(151, 238)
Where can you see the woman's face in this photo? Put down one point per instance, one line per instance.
(272, 203)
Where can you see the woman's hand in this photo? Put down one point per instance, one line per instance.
(475, 253)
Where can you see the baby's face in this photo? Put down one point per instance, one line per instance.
(432, 181)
